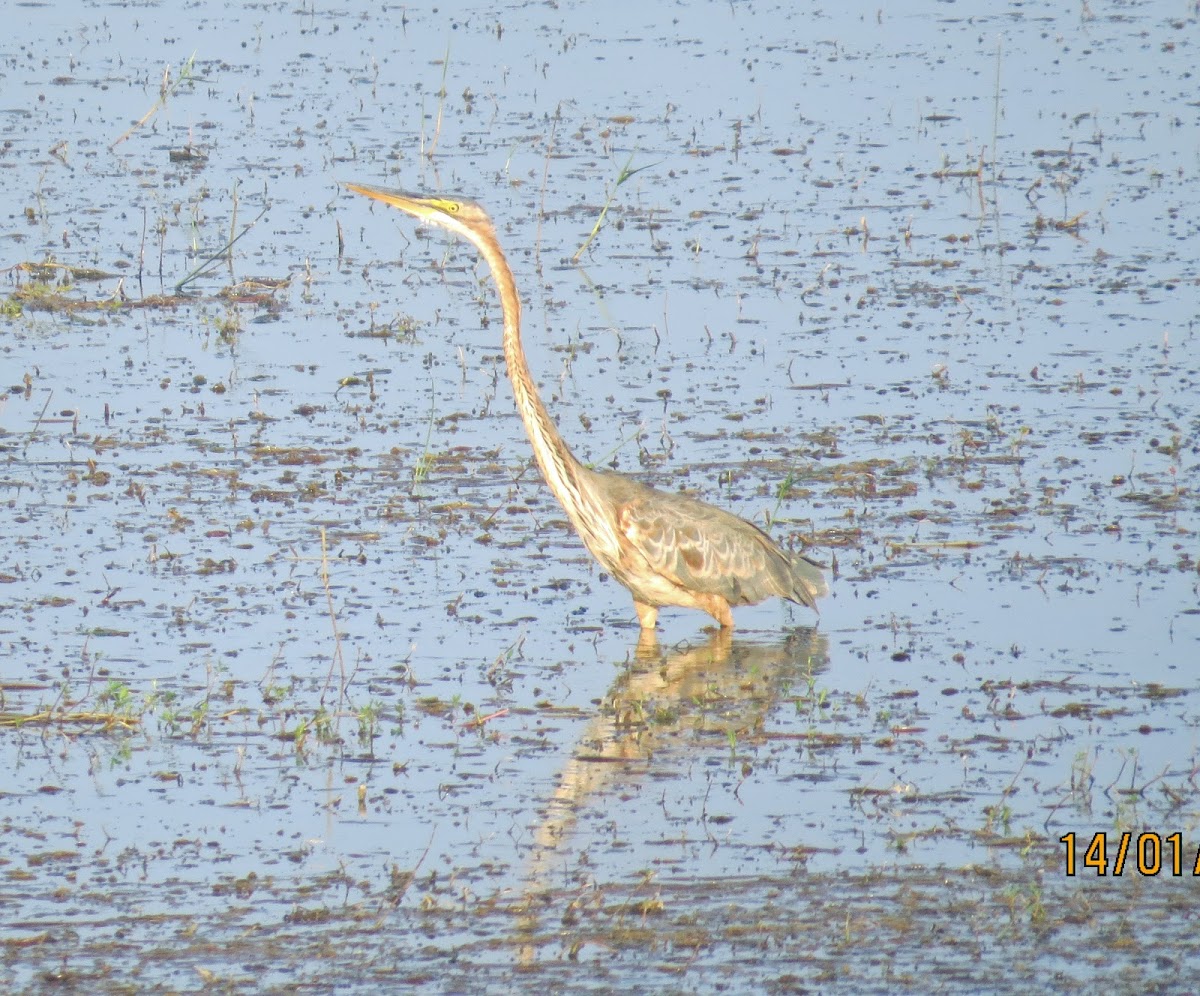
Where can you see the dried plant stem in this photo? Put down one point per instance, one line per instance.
(165, 90)
(338, 658)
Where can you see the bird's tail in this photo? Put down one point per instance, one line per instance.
(808, 581)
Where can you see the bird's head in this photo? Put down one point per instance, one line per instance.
(455, 214)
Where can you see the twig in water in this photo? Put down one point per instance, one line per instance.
(41, 414)
(480, 720)
(220, 254)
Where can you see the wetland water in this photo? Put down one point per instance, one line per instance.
(305, 681)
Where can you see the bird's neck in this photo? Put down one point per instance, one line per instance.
(558, 464)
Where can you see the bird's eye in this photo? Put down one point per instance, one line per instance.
(451, 207)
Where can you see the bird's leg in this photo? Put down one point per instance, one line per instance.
(717, 607)
(647, 614)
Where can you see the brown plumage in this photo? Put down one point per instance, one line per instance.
(667, 549)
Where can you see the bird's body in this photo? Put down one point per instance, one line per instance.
(667, 549)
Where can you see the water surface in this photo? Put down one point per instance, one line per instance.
(306, 681)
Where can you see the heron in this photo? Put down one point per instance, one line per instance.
(666, 548)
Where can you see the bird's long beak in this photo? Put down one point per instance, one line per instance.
(415, 204)
(389, 195)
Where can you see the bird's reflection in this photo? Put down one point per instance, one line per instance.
(664, 697)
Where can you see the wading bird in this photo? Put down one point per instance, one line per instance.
(667, 549)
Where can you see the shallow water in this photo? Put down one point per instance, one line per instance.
(918, 288)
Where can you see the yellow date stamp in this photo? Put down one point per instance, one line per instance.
(1145, 853)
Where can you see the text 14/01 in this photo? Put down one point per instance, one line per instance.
(1145, 853)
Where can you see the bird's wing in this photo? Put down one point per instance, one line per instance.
(705, 549)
